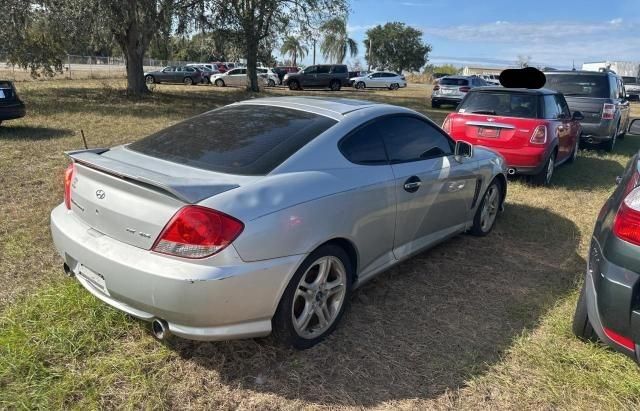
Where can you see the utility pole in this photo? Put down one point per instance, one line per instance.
(370, 55)
(314, 52)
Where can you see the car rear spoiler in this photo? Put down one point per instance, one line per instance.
(186, 189)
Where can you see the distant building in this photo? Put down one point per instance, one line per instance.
(478, 70)
(622, 68)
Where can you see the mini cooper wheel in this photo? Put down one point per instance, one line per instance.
(487, 213)
(360, 85)
(188, 81)
(219, 83)
(543, 178)
(315, 299)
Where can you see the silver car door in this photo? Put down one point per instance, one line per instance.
(434, 191)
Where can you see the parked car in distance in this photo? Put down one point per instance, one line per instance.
(270, 77)
(270, 222)
(632, 88)
(532, 129)
(491, 79)
(379, 79)
(209, 66)
(236, 77)
(221, 67)
(452, 89)
(608, 308)
(281, 71)
(175, 74)
(602, 100)
(334, 76)
(206, 73)
(11, 107)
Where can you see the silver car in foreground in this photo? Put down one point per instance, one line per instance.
(264, 215)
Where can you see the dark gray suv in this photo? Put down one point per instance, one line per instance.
(600, 97)
(333, 76)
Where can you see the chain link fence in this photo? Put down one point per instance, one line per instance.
(85, 67)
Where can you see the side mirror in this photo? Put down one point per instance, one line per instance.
(577, 116)
(634, 126)
(464, 149)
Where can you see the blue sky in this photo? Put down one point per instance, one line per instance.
(552, 32)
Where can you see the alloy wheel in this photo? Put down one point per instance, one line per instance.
(550, 168)
(319, 297)
(490, 208)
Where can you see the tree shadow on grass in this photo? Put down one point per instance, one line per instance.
(423, 327)
(20, 132)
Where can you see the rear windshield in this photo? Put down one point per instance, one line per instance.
(629, 80)
(245, 139)
(579, 85)
(501, 104)
(6, 90)
(454, 82)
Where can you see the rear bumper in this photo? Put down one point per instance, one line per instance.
(199, 300)
(446, 100)
(611, 294)
(597, 132)
(524, 160)
(12, 112)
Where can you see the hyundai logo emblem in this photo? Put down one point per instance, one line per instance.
(100, 194)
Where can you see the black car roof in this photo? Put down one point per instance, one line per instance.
(581, 72)
(536, 91)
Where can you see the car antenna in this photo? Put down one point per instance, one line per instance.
(84, 140)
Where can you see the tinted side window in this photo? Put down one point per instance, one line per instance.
(562, 106)
(311, 70)
(323, 69)
(364, 146)
(551, 110)
(340, 69)
(376, 75)
(411, 139)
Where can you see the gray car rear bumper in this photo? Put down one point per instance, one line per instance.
(199, 299)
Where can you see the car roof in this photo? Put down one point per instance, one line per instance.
(537, 91)
(581, 72)
(332, 106)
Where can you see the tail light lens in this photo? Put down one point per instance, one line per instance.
(626, 226)
(608, 111)
(464, 89)
(197, 232)
(446, 126)
(68, 179)
(539, 135)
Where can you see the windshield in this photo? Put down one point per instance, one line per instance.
(245, 139)
(501, 104)
(579, 85)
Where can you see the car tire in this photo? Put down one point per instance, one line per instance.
(622, 132)
(581, 325)
(149, 80)
(435, 104)
(303, 301)
(488, 209)
(574, 154)
(394, 86)
(543, 178)
(188, 81)
(294, 85)
(360, 85)
(609, 144)
(335, 85)
(219, 83)
(271, 83)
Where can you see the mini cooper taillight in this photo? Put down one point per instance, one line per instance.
(68, 180)
(197, 232)
(626, 226)
(539, 135)
(446, 126)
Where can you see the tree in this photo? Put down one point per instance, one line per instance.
(337, 43)
(291, 46)
(396, 46)
(523, 61)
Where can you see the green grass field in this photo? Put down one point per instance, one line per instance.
(474, 323)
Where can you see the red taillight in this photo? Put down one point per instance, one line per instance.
(626, 226)
(620, 339)
(446, 126)
(464, 89)
(197, 232)
(68, 179)
(436, 88)
(608, 111)
(539, 135)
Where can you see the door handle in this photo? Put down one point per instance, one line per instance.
(412, 184)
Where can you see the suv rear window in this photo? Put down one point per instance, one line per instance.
(630, 80)
(244, 139)
(454, 82)
(579, 85)
(501, 104)
(340, 69)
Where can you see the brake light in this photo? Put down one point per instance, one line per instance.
(197, 232)
(620, 339)
(608, 111)
(539, 135)
(68, 179)
(436, 88)
(464, 89)
(446, 126)
(626, 225)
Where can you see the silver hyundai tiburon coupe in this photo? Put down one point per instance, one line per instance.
(264, 215)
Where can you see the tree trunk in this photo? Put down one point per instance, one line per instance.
(252, 63)
(136, 85)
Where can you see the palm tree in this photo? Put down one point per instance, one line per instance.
(293, 48)
(336, 42)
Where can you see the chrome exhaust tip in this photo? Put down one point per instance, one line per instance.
(160, 329)
(511, 171)
(67, 270)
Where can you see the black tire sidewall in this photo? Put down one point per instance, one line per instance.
(581, 326)
(283, 328)
(219, 83)
(334, 85)
(476, 229)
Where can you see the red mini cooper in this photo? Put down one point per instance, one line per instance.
(533, 129)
